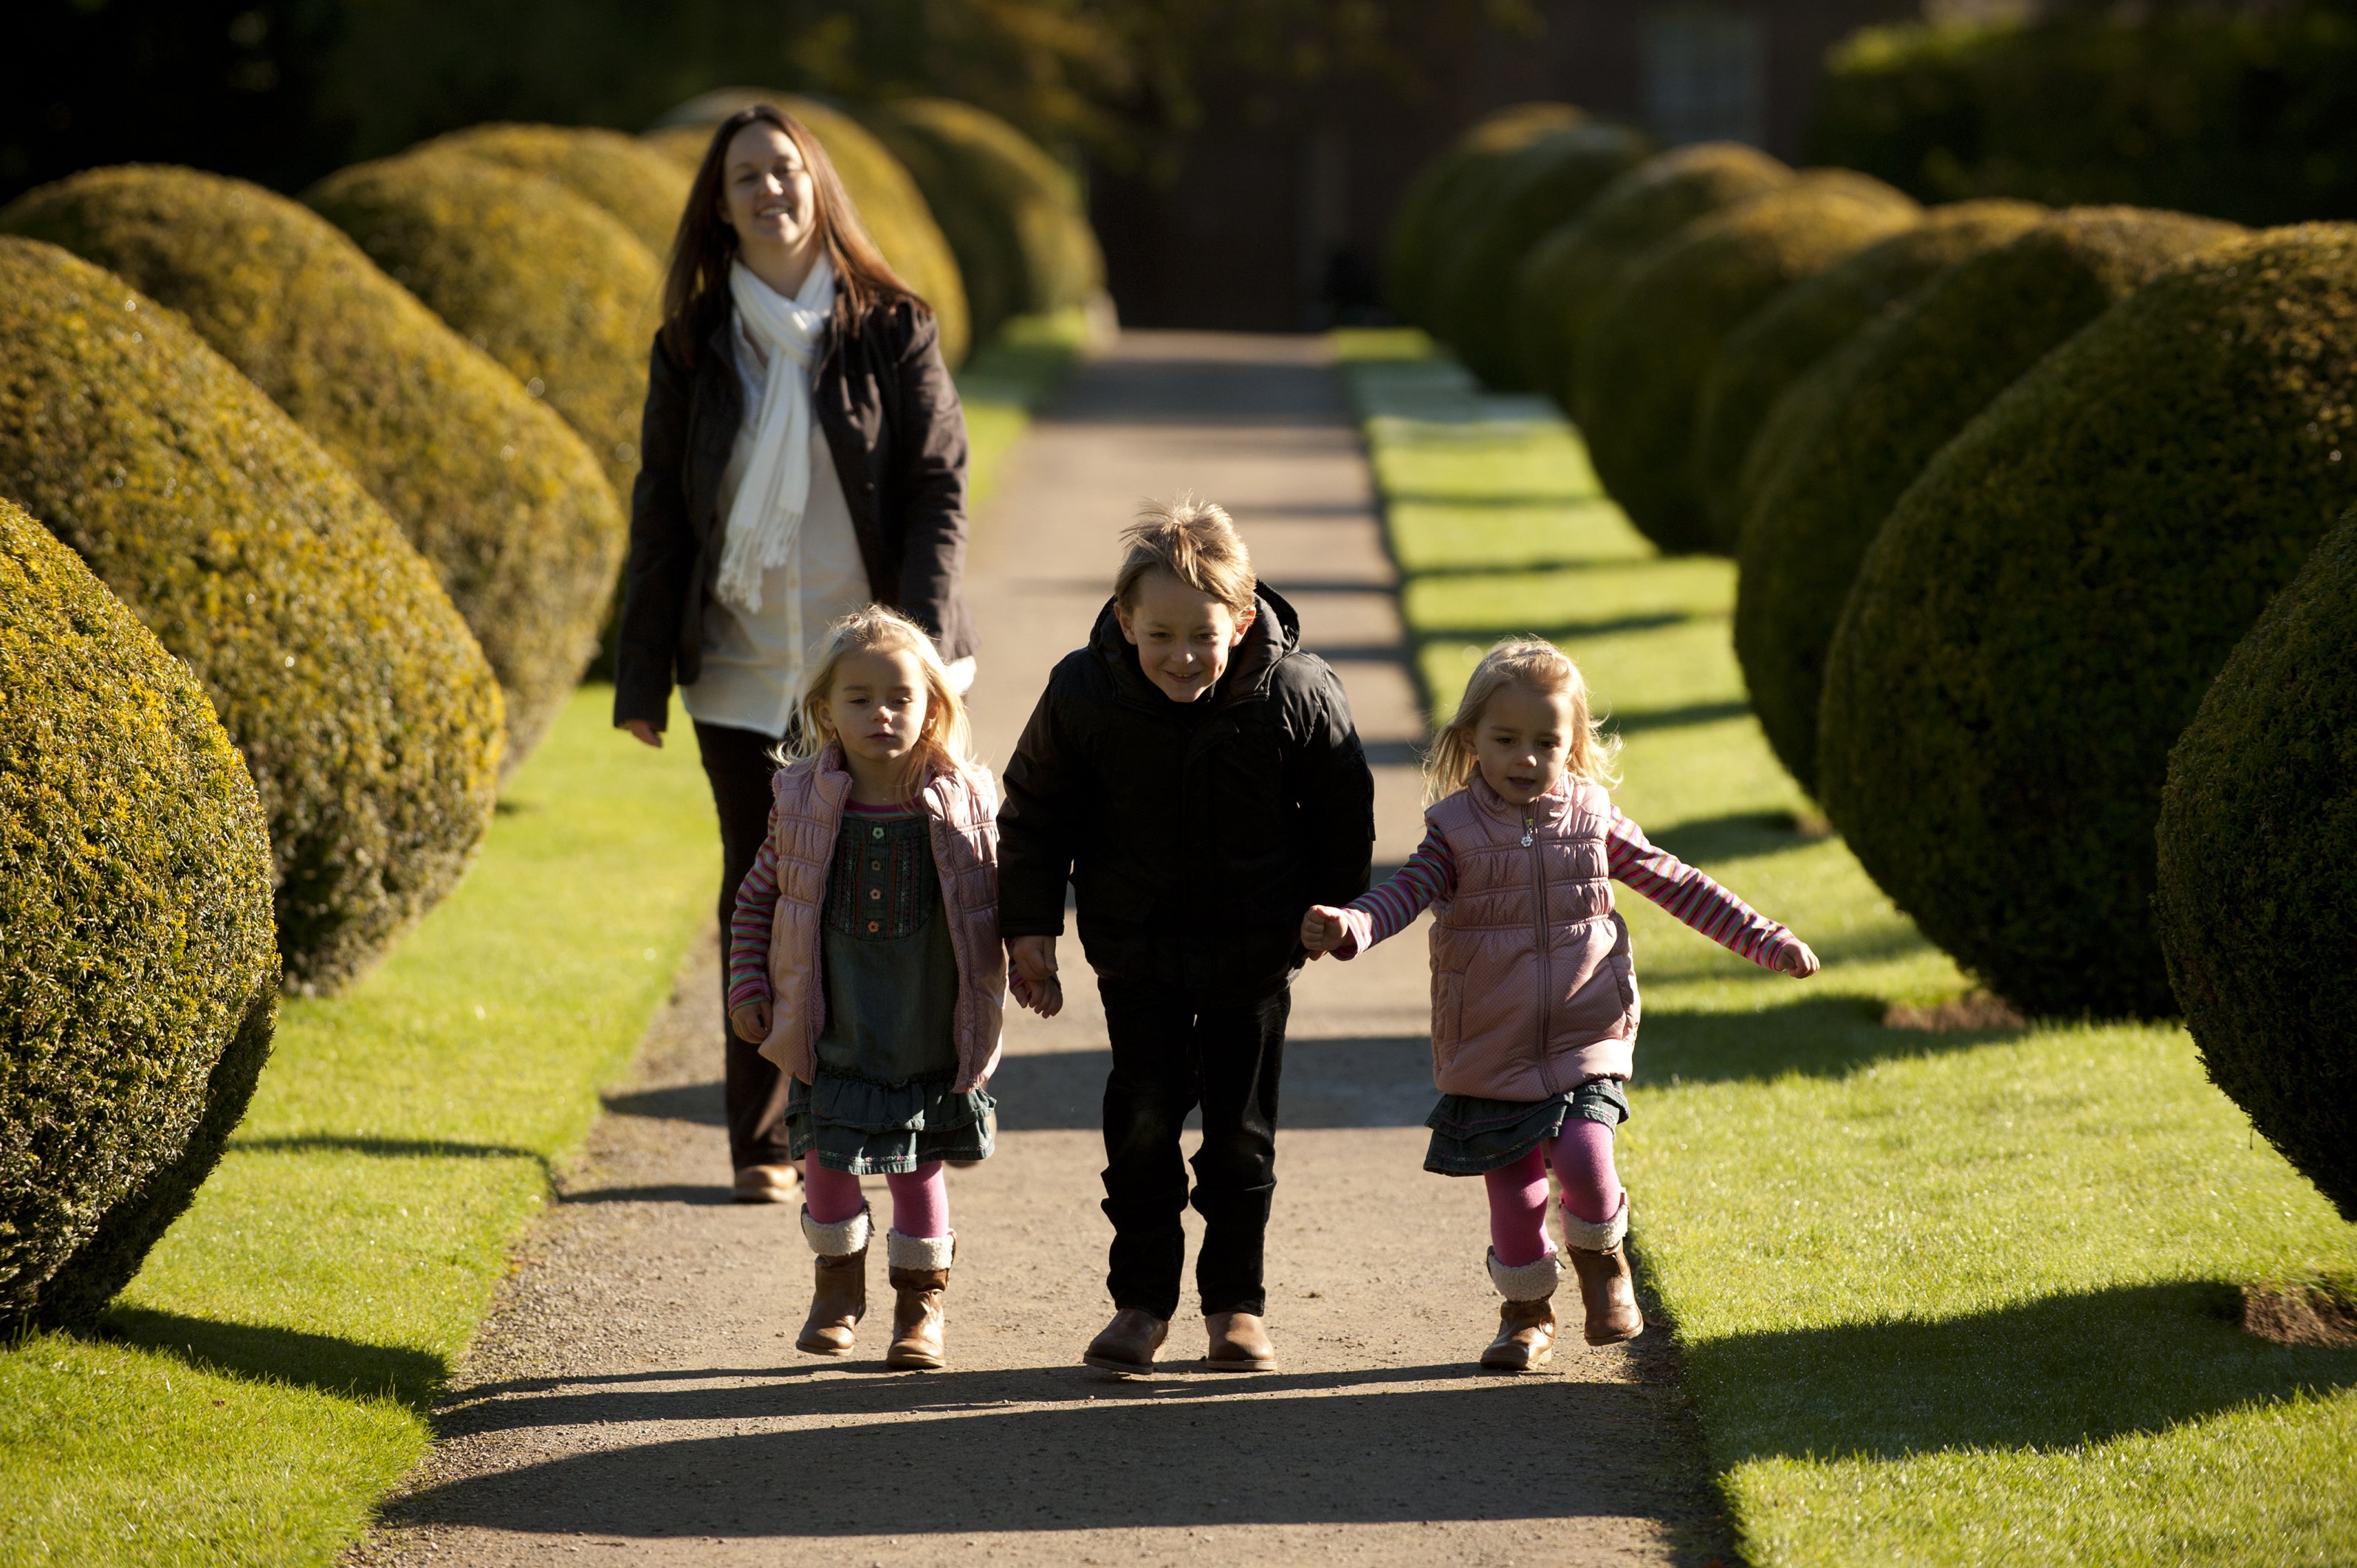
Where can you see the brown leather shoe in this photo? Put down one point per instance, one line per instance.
(765, 1184)
(840, 1298)
(1128, 1343)
(1609, 1293)
(920, 1273)
(1239, 1343)
(1525, 1341)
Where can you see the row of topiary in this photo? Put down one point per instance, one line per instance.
(310, 521)
(2007, 486)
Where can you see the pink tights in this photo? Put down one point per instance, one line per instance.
(920, 1198)
(1582, 1156)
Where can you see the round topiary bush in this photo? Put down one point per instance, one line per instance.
(890, 206)
(1842, 445)
(364, 711)
(1643, 355)
(1560, 280)
(2038, 621)
(1012, 215)
(2258, 832)
(138, 978)
(550, 286)
(1538, 190)
(1456, 181)
(491, 486)
(630, 181)
(1767, 354)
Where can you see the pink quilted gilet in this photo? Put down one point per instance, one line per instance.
(805, 814)
(1531, 988)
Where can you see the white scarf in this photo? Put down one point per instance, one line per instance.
(767, 516)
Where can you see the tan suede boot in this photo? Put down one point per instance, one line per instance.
(1239, 1343)
(1606, 1286)
(1525, 1341)
(1127, 1344)
(920, 1273)
(840, 1300)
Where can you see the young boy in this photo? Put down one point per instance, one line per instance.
(1196, 777)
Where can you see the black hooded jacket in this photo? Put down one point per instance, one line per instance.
(1194, 835)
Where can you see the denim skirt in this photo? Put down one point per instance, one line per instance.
(1471, 1136)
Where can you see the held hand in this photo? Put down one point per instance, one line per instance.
(1797, 960)
(1045, 997)
(1322, 931)
(1031, 975)
(751, 1021)
(644, 729)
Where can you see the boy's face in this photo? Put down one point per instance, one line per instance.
(1183, 638)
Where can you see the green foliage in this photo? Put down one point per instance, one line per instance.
(1458, 182)
(1767, 354)
(364, 711)
(890, 206)
(491, 486)
(1545, 185)
(1844, 442)
(547, 285)
(2257, 836)
(1644, 353)
(1012, 214)
(2246, 113)
(2035, 623)
(1565, 275)
(139, 976)
(621, 175)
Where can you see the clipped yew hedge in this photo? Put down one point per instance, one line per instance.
(550, 286)
(1642, 357)
(1842, 447)
(138, 979)
(489, 485)
(1458, 182)
(1559, 282)
(1539, 188)
(2037, 622)
(1012, 214)
(622, 176)
(891, 207)
(2257, 836)
(366, 714)
(1767, 354)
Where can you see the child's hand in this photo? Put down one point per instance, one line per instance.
(1031, 975)
(1045, 997)
(1795, 959)
(751, 1021)
(1322, 931)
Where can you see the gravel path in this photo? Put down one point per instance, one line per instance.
(635, 1396)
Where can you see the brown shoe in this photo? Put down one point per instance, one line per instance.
(840, 1300)
(1128, 1342)
(1239, 1343)
(920, 1273)
(1525, 1338)
(1599, 1256)
(765, 1184)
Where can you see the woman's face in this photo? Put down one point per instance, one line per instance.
(766, 193)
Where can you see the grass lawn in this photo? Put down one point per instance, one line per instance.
(264, 1382)
(1943, 1297)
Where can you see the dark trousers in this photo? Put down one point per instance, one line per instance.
(1169, 1057)
(737, 763)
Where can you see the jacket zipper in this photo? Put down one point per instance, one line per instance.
(1538, 929)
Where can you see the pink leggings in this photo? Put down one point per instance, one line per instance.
(1582, 1156)
(920, 1198)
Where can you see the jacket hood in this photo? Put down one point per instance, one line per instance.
(1274, 635)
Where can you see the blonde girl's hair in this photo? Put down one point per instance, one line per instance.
(1193, 540)
(1535, 666)
(947, 739)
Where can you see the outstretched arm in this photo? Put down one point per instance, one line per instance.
(1694, 898)
(1386, 910)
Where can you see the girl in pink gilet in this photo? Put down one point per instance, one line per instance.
(1533, 999)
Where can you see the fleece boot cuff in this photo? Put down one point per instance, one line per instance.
(926, 1254)
(1533, 1281)
(1589, 1237)
(843, 1238)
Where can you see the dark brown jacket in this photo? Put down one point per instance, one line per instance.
(892, 422)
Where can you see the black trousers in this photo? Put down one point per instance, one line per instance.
(1169, 1057)
(737, 763)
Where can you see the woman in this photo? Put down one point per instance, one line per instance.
(803, 454)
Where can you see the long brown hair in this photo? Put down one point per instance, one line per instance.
(695, 289)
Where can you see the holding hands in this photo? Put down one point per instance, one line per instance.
(1322, 931)
(1031, 975)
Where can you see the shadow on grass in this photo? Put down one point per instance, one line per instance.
(282, 1355)
(2044, 1374)
(1819, 1036)
(383, 1148)
(1564, 632)
(1638, 720)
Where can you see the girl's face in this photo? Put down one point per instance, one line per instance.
(766, 194)
(1521, 739)
(1183, 636)
(877, 705)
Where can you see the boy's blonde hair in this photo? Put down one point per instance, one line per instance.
(1536, 666)
(947, 739)
(1193, 540)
